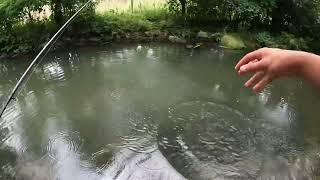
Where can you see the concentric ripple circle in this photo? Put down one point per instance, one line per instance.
(213, 131)
(63, 145)
(209, 140)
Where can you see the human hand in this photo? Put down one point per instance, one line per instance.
(267, 64)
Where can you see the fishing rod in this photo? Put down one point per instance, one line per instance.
(38, 58)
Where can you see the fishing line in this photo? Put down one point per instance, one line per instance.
(26, 75)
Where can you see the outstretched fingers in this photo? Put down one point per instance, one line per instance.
(253, 67)
(255, 79)
(255, 55)
(263, 83)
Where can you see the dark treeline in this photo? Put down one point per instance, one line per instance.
(294, 16)
(285, 19)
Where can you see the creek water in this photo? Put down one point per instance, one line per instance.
(154, 111)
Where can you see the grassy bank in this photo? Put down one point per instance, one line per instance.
(125, 5)
(144, 24)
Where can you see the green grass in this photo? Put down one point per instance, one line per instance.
(127, 22)
(143, 19)
(125, 5)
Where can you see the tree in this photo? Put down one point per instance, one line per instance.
(295, 16)
(14, 11)
(56, 7)
(183, 6)
(63, 9)
(277, 15)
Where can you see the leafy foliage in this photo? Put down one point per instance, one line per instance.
(12, 12)
(278, 15)
(284, 40)
(21, 31)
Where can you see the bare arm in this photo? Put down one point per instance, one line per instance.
(268, 64)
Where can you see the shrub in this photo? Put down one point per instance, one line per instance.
(284, 40)
(290, 41)
(264, 39)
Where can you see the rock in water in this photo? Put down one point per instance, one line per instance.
(94, 39)
(197, 45)
(189, 46)
(175, 39)
(203, 35)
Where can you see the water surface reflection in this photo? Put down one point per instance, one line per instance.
(154, 112)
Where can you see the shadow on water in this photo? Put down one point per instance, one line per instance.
(8, 159)
(154, 111)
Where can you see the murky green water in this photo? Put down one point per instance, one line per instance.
(154, 111)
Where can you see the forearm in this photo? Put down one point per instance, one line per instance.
(268, 64)
(309, 67)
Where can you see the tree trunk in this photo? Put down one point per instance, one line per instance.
(132, 6)
(281, 15)
(183, 7)
(57, 12)
(276, 20)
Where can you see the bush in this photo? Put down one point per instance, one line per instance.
(26, 37)
(153, 15)
(127, 21)
(264, 39)
(290, 41)
(284, 40)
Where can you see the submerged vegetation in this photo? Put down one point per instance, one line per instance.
(26, 25)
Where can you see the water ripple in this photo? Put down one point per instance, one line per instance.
(63, 144)
(53, 71)
(214, 140)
